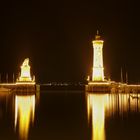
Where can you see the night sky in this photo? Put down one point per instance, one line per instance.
(57, 37)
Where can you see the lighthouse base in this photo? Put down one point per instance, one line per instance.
(100, 87)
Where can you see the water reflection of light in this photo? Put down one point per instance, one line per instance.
(24, 114)
(101, 106)
(121, 104)
(96, 108)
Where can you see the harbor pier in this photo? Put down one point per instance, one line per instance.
(25, 83)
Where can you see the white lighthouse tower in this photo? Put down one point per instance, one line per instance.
(98, 69)
(98, 82)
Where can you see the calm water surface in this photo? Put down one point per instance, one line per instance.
(69, 115)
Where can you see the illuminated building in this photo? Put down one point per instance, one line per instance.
(98, 82)
(98, 69)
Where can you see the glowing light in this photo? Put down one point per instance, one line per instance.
(24, 113)
(25, 83)
(25, 76)
(98, 70)
(25, 71)
(99, 83)
(88, 78)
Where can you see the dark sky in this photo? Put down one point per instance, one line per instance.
(57, 37)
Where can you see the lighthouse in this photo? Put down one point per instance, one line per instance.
(98, 83)
(98, 69)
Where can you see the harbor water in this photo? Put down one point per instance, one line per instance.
(69, 115)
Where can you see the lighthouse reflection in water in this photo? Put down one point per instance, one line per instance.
(24, 114)
(103, 106)
(96, 110)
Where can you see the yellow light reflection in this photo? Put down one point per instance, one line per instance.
(101, 106)
(24, 114)
(96, 108)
